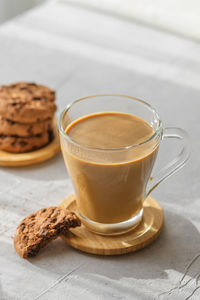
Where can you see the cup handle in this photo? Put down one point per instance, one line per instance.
(178, 162)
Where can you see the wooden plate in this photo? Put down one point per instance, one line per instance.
(144, 234)
(29, 158)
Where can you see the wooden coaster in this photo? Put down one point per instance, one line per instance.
(144, 234)
(29, 158)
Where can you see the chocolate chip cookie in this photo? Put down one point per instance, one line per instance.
(9, 127)
(17, 144)
(26, 102)
(40, 228)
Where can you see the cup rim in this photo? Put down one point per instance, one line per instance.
(154, 135)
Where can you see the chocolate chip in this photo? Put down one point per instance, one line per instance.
(51, 135)
(22, 143)
(25, 238)
(30, 130)
(32, 83)
(36, 98)
(44, 232)
(10, 122)
(22, 226)
(22, 104)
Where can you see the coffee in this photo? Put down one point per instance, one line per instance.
(110, 187)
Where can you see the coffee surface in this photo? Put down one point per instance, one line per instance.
(110, 185)
(110, 130)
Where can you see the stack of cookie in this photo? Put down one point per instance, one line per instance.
(26, 116)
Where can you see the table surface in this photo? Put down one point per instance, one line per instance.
(80, 52)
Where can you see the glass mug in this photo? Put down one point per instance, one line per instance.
(111, 185)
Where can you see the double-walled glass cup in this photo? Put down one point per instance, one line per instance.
(111, 185)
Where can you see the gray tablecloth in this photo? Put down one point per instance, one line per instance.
(80, 52)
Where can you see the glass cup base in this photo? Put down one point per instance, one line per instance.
(112, 229)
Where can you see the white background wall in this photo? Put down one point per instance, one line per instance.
(178, 16)
(11, 8)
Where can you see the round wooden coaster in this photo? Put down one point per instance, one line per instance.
(29, 158)
(144, 234)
